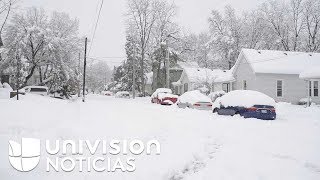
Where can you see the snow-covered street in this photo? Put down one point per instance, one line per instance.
(194, 144)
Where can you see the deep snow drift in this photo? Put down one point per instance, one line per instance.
(194, 144)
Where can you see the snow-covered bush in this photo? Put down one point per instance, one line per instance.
(214, 95)
(304, 101)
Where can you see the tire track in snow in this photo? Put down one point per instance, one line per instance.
(198, 163)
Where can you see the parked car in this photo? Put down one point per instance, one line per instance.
(164, 96)
(123, 94)
(249, 104)
(40, 90)
(214, 95)
(107, 93)
(194, 100)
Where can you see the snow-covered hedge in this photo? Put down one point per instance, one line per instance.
(304, 101)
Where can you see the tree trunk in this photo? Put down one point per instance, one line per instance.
(30, 74)
(142, 72)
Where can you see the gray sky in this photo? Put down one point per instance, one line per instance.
(110, 36)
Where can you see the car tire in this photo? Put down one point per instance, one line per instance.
(215, 110)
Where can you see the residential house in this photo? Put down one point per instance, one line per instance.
(276, 73)
(194, 78)
(223, 81)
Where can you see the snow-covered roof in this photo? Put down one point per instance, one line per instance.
(201, 75)
(312, 73)
(280, 62)
(204, 75)
(225, 76)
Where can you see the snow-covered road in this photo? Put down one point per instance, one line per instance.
(194, 144)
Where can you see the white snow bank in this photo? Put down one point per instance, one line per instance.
(7, 86)
(245, 98)
(312, 73)
(193, 97)
(4, 93)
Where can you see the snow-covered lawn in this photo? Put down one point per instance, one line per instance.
(194, 144)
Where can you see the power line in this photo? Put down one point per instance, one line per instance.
(96, 25)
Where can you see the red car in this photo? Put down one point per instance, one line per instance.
(164, 96)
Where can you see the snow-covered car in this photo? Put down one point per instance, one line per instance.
(39, 90)
(123, 94)
(247, 103)
(164, 96)
(195, 100)
(107, 93)
(214, 95)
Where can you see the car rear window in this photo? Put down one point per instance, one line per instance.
(263, 106)
(38, 90)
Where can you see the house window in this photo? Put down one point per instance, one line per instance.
(279, 88)
(185, 86)
(316, 88)
(226, 87)
(244, 85)
(310, 88)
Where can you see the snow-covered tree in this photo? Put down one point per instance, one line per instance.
(98, 75)
(48, 46)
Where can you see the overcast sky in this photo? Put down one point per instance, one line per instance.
(110, 36)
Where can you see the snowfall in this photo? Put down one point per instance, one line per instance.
(195, 145)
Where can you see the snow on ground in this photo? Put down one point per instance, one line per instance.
(194, 144)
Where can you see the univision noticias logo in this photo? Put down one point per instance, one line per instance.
(24, 156)
(80, 155)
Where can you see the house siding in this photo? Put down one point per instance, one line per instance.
(244, 72)
(294, 88)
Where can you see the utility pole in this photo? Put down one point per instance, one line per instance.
(18, 75)
(134, 73)
(79, 67)
(84, 71)
(167, 67)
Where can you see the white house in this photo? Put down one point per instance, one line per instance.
(193, 78)
(276, 73)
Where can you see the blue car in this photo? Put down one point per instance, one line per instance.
(249, 104)
(263, 112)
